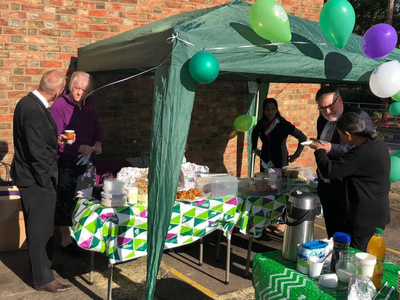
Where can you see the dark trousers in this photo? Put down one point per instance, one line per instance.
(333, 204)
(361, 242)
(38, 205)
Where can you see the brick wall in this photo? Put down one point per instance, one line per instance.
(37, 35)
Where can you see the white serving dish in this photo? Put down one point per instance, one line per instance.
(113, 197)
(112, 203)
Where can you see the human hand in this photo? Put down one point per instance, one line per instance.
(85, 149)
(257, 152)
(316, 144)
(61, 139)
(292, 158)
(98, 148)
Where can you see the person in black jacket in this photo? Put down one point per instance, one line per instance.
(365, 171)
(331, 191)
(273, 131)
(34, 172)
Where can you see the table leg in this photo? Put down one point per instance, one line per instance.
(248, 257)
(218, 245)
(91, 268)
(201, 252)
(228, 260)
(110, 275)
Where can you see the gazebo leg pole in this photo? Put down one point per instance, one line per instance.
(248, 257)
(110, 275)
(228, 260)
(201, 252)
(91, 268)
(218, 245)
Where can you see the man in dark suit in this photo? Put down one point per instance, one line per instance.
(331, 192)
(34, 171)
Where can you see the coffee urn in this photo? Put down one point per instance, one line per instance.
(299, 217)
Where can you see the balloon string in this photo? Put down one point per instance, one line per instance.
(175, 36)
(130, 77)
(267, 44)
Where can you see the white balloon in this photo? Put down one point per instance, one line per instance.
(385, 80)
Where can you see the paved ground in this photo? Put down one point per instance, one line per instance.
(180, 276)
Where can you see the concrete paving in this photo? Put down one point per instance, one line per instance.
(180, 276)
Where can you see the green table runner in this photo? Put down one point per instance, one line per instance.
(276, 278)
(121, 232)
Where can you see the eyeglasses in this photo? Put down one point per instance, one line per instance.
(330, 106)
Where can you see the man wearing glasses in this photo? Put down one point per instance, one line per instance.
(331, 192)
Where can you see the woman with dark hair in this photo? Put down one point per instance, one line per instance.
(273, 131)
(365, 171)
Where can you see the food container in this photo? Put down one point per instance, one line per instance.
(256, 186)
(113, 186)
(141, 185)
(306, 250)
(217, 185)
(114, 197)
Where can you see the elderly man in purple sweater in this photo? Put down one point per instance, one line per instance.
(76, 164)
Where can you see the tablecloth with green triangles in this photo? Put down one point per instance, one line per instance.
(258, 212)
(277, 278)
(121, 232)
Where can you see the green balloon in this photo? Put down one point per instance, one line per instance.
(270, 21)
(396, 97)
(244, 122)
(204, 67)
(394, 108)
(337, 19)
(394, 168)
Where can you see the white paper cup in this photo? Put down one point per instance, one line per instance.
(365, 264)
(315, 267)
(70, 136)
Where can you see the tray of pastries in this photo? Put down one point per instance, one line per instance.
(191, 195)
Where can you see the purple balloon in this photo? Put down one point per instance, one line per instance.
(379, 41)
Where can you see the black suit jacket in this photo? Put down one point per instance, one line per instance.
(35, 144)
(339, 148)
(275, 149)
(365, 170)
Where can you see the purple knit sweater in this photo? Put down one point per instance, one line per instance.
(68, 115)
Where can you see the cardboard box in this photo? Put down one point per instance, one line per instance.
(12, 225)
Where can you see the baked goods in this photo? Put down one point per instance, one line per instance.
(189, 194)
(260, 185)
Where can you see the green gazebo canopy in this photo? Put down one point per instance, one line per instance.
(167, 46)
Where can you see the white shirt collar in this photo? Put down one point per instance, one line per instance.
(41, 98)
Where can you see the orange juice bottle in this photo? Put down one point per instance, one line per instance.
(376, 246)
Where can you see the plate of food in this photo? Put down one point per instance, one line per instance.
(191, 195)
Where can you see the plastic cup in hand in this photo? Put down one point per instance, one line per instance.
(365, 264)
(315, 266)
(70, 136)
(133, 195)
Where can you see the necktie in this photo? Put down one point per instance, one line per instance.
(48, 109)
(331, 130)
(328, 138)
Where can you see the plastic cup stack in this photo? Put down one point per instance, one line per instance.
(398, 285)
